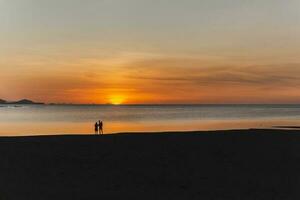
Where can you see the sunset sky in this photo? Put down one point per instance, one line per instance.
(150, 51)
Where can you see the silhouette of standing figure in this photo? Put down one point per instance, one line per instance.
(96, 128)
(100, 126)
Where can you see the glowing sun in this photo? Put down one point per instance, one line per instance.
(117, 99)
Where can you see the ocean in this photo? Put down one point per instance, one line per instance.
(16, 120)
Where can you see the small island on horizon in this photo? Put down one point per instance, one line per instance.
(22, 101)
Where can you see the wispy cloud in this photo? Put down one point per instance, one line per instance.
(184, 71)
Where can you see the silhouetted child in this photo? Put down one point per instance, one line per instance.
(100, 126)
(96, 128)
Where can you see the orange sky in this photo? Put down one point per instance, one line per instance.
(155, 80)
(132, 51)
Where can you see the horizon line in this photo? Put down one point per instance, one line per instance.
(167, 104)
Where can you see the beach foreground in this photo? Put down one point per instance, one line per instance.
(239, 164)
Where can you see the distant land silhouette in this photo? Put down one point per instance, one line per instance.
(22, 101)
(2, 101)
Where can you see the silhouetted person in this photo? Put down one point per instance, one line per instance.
(100, 123)
(96, 128)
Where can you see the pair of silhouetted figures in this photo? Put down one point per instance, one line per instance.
(99, 127)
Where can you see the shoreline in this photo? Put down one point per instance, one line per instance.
(232, 164)
(274, 129)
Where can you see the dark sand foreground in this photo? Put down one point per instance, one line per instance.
(241, 165)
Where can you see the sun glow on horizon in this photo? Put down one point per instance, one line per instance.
(117, 99)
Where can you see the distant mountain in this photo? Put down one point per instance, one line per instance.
(23, 101)
(2, 101)
(26, 101)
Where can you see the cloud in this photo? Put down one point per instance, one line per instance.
(184, 71)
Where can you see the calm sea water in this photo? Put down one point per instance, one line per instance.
(80, 119)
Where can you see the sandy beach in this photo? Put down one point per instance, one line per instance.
(237, 164)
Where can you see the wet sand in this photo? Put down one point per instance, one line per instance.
(240, 164)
